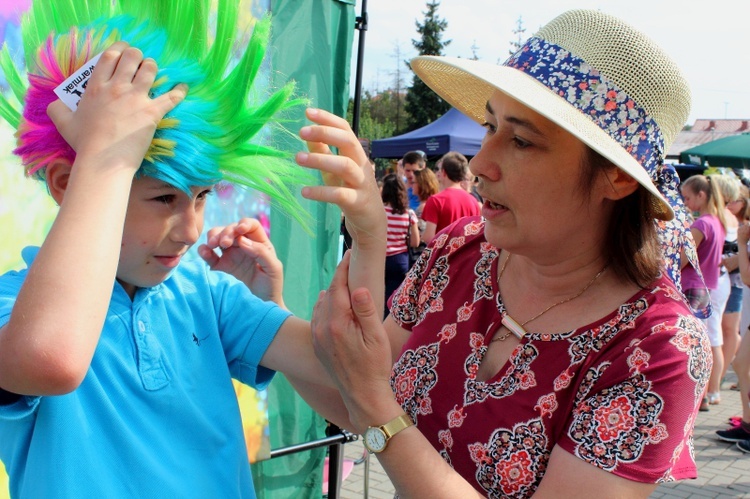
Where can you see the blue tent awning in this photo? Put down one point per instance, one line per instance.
(453, 131)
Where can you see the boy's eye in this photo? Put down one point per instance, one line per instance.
(205, 194)
(166, 198)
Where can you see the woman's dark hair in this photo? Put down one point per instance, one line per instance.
(394, 194)
(632, 244)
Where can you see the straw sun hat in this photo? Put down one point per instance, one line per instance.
(592, 74)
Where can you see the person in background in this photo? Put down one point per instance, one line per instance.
(703, 196)
(742, 207)
(402, 225)
(730, 278)
(543, 349)
(452, 202)
(413, 161)
(739, 432)
(425, 185)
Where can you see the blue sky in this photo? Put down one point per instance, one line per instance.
(709, 40)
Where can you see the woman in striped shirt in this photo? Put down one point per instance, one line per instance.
(401, 221)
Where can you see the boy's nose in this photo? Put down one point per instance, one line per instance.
(188, 226)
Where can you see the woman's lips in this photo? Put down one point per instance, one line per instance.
(491, 210)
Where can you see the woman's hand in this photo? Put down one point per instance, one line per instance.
(247, 254)
(349, 178)
(350, 341)
(116, 118)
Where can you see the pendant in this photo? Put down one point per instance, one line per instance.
(514, 327)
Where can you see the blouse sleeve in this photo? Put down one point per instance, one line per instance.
(636, 406)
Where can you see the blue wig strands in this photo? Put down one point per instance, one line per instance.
(208, 137)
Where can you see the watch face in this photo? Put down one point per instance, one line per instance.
(374, 439)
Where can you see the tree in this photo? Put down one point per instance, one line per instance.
(518, 42)
(398, 88)
(422, 104)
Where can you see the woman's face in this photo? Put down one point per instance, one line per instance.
(737, 207)
(529, 172)
(694, 201)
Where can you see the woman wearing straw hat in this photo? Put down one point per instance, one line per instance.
(543, 348)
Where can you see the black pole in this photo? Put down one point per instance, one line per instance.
(361, 25)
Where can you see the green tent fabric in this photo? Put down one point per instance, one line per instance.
(729, 152)
(311, 44)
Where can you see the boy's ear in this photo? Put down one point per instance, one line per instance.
(619, 184)
(57, 176)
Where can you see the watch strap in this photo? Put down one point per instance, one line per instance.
(395, 425)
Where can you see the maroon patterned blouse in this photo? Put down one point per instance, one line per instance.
(621, 393)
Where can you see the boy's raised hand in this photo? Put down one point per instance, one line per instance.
(349, 177)
(116, 118)
(247, 254)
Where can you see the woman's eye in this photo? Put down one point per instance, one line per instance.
(490, 127)
(520, 143)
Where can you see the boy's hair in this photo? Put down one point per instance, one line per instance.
(206, 138)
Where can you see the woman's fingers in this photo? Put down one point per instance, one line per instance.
(336, 167)
(334, 131)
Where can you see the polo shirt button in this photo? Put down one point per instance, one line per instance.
(141, 326)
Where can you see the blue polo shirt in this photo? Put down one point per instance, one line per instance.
(156, 415)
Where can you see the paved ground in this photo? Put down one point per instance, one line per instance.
(724, 471)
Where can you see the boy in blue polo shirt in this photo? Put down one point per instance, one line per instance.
(115, 358)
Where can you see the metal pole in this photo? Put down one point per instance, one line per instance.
(361, 25)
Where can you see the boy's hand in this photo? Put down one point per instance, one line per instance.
(349, 177)
(116, 117)
(248, 255)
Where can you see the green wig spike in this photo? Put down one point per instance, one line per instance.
(208, 137)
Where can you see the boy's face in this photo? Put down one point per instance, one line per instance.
(161, 224)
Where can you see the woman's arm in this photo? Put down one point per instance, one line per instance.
(569, 476)
(414, 234)
(743, 259)
(357, 349)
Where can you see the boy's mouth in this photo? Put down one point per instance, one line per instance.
(169, 261)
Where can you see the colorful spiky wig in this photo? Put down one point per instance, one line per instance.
(206, 138)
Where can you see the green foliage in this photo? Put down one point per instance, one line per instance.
(379, 114)
(422, 104)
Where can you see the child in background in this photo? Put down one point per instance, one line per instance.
(116, 359)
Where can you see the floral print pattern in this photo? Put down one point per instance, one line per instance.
(621, 394)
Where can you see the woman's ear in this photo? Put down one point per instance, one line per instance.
(57, 175)
(619, 184)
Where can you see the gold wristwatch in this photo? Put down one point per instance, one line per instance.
(376, 437)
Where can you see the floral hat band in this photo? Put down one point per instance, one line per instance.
(596, 96)
(608, 85)
(627, 123)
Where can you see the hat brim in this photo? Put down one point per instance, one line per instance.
(467, 85)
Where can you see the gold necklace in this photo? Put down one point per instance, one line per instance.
(517, 329)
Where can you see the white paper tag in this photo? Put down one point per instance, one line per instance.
(71, 90)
